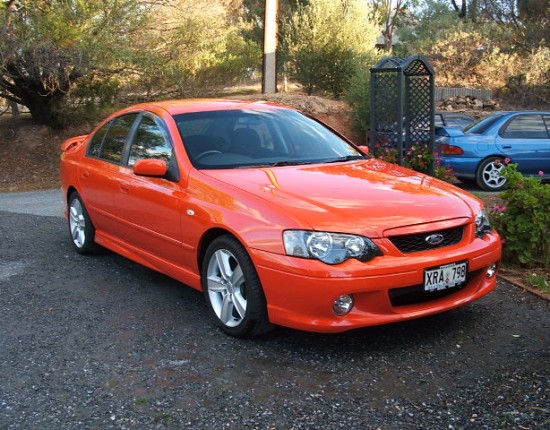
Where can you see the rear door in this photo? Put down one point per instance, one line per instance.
(101, 172)
(525, 139)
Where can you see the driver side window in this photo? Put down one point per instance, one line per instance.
(149, 142)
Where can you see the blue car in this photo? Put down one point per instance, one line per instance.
(479, 150)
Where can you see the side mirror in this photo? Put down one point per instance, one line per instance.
(151, 167)
(365, 149)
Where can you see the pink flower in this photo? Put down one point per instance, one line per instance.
(541, 173)
(507, 160)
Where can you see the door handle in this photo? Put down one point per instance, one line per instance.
(124, 187)
(507, 146)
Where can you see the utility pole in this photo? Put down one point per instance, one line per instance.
(269, 75)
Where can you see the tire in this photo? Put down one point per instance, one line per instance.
(488, 175)
(81, 228)
(232, 289)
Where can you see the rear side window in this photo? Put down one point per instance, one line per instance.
(108, 142)
(97, 140)
(525, 127)
(114, 141)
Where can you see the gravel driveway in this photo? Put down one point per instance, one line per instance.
(103, 343)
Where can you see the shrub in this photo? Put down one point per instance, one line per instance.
(418, 158)
(445, 173)
(324, 40)
(358, 93)
(524, 220)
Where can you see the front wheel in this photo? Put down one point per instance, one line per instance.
(81, 229)
(232, 289)
(488, 176)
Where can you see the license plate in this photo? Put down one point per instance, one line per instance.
(444, 277)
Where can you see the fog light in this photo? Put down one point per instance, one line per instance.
(343, 305)
(491, 271)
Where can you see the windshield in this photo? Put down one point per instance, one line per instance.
(482, 125)
(256, 137)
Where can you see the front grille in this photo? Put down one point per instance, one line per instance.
(416, 294)
(417, 242)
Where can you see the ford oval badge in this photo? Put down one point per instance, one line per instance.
(435, 239)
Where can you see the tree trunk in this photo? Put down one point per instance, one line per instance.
(47, 110)
(14, 109)
(45, 106)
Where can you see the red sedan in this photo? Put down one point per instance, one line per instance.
(275, 217)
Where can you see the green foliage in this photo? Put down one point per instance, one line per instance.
(386, 152)
(187, 51)
(47, 46)
(325, 40)
(445, 173)
(358, 92)
(524, 221)
(540, 282)
(419, 158)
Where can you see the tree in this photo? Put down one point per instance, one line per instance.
(390, 12)
(46, 46)
(253, 12)
(187, 50)
(325, 39)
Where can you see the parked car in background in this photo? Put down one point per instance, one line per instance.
(480, 150)
(452, 119)
(275, 217)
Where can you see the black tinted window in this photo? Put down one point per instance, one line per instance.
(270, 137)
(525, 127)
(115, 139)
(149, 142)
(95, 144)
(481, 126)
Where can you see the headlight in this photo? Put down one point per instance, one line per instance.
(330, 248)
(483, 225)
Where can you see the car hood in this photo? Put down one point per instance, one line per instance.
(366, 197)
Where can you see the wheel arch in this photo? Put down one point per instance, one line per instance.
(208, 237)
(502, 157)
(71, 189)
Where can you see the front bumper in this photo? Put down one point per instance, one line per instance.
(300, 293)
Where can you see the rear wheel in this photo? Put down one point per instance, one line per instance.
(488, 176)
(232, 289)
(81, 229)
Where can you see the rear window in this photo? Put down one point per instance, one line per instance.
(481, 126)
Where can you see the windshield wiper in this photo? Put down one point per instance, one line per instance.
(346, 158)
(290, 163)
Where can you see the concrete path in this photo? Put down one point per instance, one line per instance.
(43, 203)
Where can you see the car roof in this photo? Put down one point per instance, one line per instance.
(522, 112)
(175, 107)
